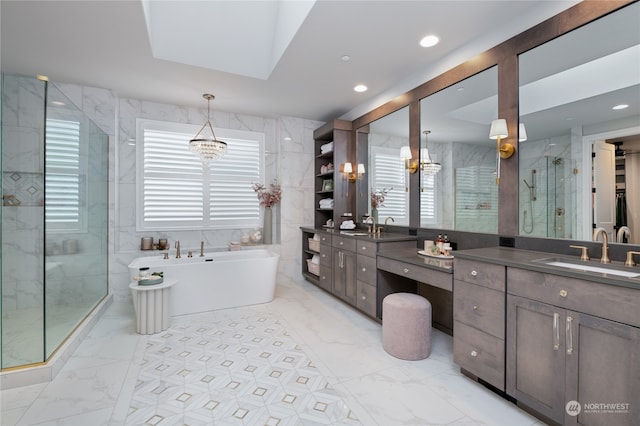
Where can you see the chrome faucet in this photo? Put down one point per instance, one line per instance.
(178, 250)
(388, 217)
(622, 232)
(201, 248)
(605, 244)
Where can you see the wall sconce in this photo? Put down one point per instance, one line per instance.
(405, 154)
(522, 133)
(360, 172)
(348, 175)
(503, 151)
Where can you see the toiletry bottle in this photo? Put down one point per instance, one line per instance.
(445, 239)
(439, 241)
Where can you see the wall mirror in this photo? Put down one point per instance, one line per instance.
(463, 195)
(379, 147)
(572, 95)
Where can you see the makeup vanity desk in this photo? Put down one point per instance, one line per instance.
(406, 270)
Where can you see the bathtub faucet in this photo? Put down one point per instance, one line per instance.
(178, 250)
(201, 248)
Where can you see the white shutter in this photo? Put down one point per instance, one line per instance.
(428, 200)
(389, 172)
(476, 198)
(177, 191)
(232, 201)
(173, 181)
(62, 177)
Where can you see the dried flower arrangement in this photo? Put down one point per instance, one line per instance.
(268, 198)
(377, 197)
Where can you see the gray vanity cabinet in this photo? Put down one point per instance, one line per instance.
(478, 320)
(366, 290)
(557, 354)
(344, 269)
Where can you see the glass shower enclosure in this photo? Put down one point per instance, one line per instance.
(54, 219)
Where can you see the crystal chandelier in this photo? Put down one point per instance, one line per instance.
(207, 147)
(429, 167)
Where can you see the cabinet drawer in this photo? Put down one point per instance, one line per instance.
(344, 243)
(366, 269)
(424, 275)
(366, 298)
(479, 353)
(325, 278)
(325, 255)
(367, 248)
(606, 301)
(480, 273)
(479, 307)
(325, 238)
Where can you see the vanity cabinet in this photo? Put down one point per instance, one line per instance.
(344, 269)
(479, 320)
(573, 340)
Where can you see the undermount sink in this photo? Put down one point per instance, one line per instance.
(582, 266)
(354, 233)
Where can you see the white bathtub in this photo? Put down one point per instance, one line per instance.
(216, 281)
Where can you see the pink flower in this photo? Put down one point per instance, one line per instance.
(377, 197)
(268, 198)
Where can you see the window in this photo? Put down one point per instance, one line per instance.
(64, 209)
(389, 172)
(176, 190)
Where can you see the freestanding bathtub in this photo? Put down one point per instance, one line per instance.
(218, 280)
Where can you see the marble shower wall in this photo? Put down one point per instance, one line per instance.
(555, 188)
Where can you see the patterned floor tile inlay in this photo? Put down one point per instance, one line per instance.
(240, 370)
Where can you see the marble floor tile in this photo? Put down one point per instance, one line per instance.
(305, 358)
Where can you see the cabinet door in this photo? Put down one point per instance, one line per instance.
(603, 367)
(535, 355)
(344, 275)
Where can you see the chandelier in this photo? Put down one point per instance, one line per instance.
(207, 147)
(428, 166)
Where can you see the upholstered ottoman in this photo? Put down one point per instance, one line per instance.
(406, 326)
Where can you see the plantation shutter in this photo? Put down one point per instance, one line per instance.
(62, 177)
(428, 200)
(176, 190)
(389, 172)
(173, 181)
(233, 201)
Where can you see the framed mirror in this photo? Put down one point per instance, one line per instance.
(463, 194)
(384, 191)
(580, 95)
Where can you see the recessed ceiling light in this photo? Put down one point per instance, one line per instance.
(345, 58)
(621, 106)
(360, 88)
(429, 41)
(460, 89)
(287, 138)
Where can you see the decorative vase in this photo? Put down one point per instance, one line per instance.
(266, 230)
(374, 214)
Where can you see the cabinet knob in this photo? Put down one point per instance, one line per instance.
(474, 273)
(475, 307)
(364, 269)
(324, 255)
(406, 270)
(474, 354)
(364, 248)
(341, 242)
(324, 278)
(563, 293)
(364, 297)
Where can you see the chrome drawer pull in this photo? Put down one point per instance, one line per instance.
(556, 332)
(406, 270)
(563, 293)
(474, 273)
(474, 354)
(569, 336)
